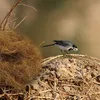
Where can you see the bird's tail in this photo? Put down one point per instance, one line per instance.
(48, 45)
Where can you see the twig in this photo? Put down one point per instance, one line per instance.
(41, 43)
(10, 94)
(45, 91)
(8, 15)
(22, 4)
(13, 20)
(55, 88)
(39, 97)
(20, 22)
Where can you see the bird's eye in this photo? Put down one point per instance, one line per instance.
(74, 46)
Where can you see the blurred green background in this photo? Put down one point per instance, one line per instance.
(74, 20)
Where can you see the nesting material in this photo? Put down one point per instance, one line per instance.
(19, 60)
(75, 77)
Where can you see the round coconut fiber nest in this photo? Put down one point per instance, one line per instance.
(19, 61)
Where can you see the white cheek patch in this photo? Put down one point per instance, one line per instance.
(75, 49)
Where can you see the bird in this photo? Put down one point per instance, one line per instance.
(64, 45)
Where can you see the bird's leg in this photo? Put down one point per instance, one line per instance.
(67, 54)
(62, 52)
(65, 51)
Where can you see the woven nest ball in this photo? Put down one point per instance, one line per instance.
(19, 60)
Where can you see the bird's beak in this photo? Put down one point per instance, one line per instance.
(76, 49)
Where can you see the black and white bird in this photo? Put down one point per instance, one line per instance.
(64, 45)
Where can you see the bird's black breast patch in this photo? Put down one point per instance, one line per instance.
(70, 49)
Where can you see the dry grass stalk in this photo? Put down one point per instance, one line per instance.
(5, 20)
(20, 22)
(22, 4)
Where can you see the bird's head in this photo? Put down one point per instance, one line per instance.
(75, 48)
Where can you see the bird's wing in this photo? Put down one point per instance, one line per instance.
(62, 43)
